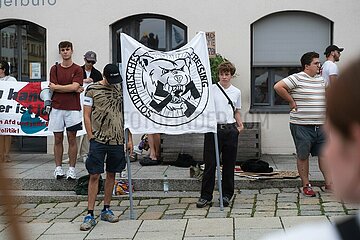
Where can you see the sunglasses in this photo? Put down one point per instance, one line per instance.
(92, 62)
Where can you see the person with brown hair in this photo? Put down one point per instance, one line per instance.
(5, 140)
(342, 150)
(229, 124)
(305, 92)
(66, 80)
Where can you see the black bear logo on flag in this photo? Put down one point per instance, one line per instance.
(167, 85)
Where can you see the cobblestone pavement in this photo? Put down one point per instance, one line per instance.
(257, 208)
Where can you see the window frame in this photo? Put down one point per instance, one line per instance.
(272, 108)
(20, 48)
(130, 20)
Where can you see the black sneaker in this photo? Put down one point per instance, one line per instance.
(226, 201)
(203, 203)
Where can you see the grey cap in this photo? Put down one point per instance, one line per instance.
(90, 56)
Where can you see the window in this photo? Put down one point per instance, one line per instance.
(155, 31)
(278, 42)
(20, 43)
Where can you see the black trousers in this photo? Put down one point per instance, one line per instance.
(228, 141)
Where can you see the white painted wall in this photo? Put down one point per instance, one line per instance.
(87, 24)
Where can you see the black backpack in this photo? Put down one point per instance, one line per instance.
(183, 160)
(81, 187)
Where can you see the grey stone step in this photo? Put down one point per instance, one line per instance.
(189, 184)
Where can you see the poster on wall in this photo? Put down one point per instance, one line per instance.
(167, 92)
(35, 70)
(210, 39)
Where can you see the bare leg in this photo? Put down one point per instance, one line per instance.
(109, 185)
(323, 165)
(303, 169)
(154, 144)
(7, 148)
(58, 147)
(72, 147)
(93, 190)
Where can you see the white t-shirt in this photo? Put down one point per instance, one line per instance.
(224, 111)
(8, 78)
(329, 68)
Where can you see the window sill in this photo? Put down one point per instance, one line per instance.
(271, 110)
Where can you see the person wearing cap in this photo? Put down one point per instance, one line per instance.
(329, 70)
(91, 74)
(104, 124)
(66, 80)
(305, 93)
(5, 140)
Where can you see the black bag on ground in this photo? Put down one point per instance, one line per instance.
(81, 187)
(183, 160)
(256, 166)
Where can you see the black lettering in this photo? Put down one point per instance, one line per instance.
(5, 108)
(8, 3)
(12, 94)
(52, 3)
(35, 2)
(1, 93)
(25, 3)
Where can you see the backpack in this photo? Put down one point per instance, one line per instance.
(183, 160)
(256, 166)
(81, 187)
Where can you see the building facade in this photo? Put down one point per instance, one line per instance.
(263, 38)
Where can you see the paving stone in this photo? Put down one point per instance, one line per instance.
(175, 211)
(310, 213)
(244, 201)
(172, 216)
(289, 190)
(217, 214)
(268, 196)
(258, 223)
(188, 200)
(269, 191)
(265, 208)
(66, 204)
(335, 213)
(126, 214)
(27, 205)
(266, 203)
(287, 205)
(290, 222)
(150, 215)
(309, 207)
(285, 213)
(195, 227)
(48, 205)
(242, 206)
(71, 213)
(156, 208)
(333, 209)
(241, 211)
(148, 202)
(264, 214)
(126, 203)
(235, 215)
(33, 212)
(311, 201)
(248, 192)
(82, 204)
(196, 212)
(332, 204)
(170, 201)
(178, 206)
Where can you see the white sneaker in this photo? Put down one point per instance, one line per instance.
(59, 173)
(71, 174)
(66, 160)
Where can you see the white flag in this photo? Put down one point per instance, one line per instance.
(167, 92)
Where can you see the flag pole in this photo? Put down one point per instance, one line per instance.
(218, 170)
(128, 165)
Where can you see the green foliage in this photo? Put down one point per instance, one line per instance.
(214, 63)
